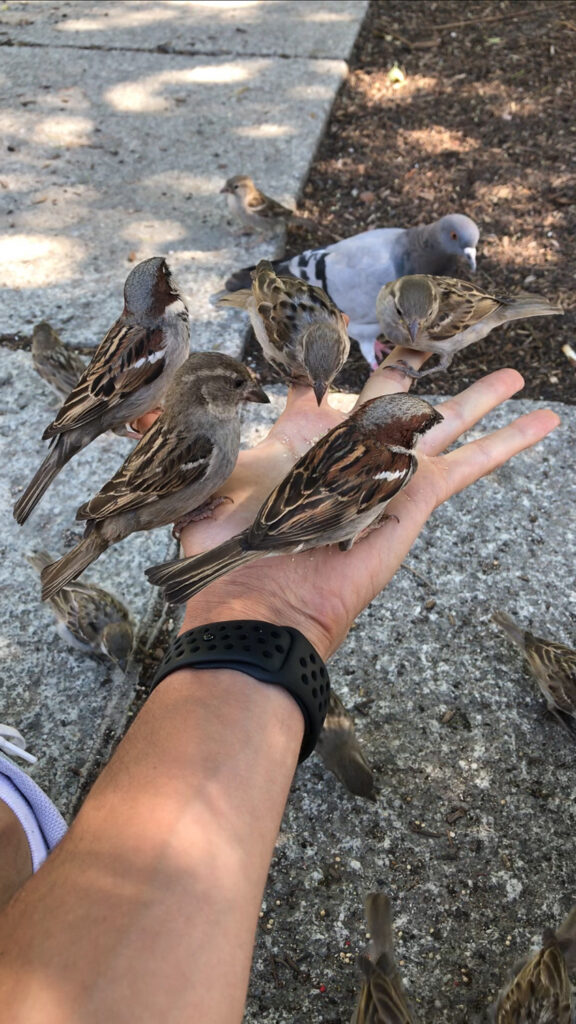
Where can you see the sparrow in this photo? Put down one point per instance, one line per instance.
(174, 470)
(341, 752)
(334, 494)
(443, 315)
(353, 270)
(58, 365)
(300, 330)
(541, 991)
(89, 618)
(253, 208)
(382, 997)
(552, 664)
(127, 376)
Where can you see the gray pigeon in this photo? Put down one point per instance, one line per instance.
(353, 271)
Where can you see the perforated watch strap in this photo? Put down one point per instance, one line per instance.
(273, 654)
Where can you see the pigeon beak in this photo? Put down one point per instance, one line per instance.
(470, 256)
(413, 328)
(255, 393)
(320, 389)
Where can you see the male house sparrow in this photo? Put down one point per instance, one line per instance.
(541, 992)
(353, 271)
(552, 664)
(58, 365)
(443, 315)
(126, 378)
(382, 998)
(253, 208)
(301, 332)
(339, 749)
(90, 618)
(334, 494)
(173, 471)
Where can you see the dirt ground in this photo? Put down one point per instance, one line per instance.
(465, 107)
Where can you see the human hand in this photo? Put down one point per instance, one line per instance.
(322, 591)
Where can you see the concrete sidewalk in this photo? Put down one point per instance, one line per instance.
(120, 122)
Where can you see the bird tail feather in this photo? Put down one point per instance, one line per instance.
(237, 299)
(57, 457)
(243, 278)
(566, 938)
(183, 578)
(530, 305)
(379, 920)
(69, 567)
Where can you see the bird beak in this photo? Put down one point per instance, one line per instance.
(470, 256)
(413, 328)
(225, 189)
(255, 394)
(320, 389)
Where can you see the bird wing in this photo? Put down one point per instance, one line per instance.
(390, 1005)
(288, 306)
(129, 358)
(146, 476)
(266, 207)
(332, 484)
(461, 306)
(556, 663)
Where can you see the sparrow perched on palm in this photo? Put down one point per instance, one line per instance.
(300, 330)
(334, 494)
(541, 991)
(552, 664)
(127, 377)
(174, 470)
(339, 749)
(382, 998)
(443, 315)
(253, 208)
(58, 365)
(90, 618)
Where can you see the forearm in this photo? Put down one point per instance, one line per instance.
(147, 910)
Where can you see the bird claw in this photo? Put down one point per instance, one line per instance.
(202, 512)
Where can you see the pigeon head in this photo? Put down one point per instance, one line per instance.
(459, 235)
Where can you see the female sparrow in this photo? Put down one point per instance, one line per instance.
(254, 209)
(552, 664)
(443, 315)
(301, 332)
(339, 749)
(334, 494)
(382, 998)
(90, 618)
(541, 992)
(58, 365)
(126, 378)
(173, 471)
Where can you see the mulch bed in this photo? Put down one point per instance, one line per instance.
(468, 108)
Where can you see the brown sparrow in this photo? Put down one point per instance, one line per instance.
(58, 365)
(334, 494)
(254, 209)
(173, 471)
(339, 749)
(353, 270)
(382, 998)
(89, 618)
(443, 315)
(541, 991)
(301, 332)
(126, 378)
(552, 664)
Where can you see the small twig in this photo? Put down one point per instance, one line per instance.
(472, 21)
(419, 576)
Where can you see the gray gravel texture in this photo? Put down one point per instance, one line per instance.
(120, 122)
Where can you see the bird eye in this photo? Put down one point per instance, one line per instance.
(238, 383)
(453, 235)
(236, 187)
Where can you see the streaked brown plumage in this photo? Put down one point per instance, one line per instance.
(58, 365)
(127, 377)
(444, 315)
(174, 470)
(382, 998)
(552, 664)
(334, 494)
(254, 209)
(540, 991)
(300, 330)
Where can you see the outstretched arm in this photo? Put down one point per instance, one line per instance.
(148, 908)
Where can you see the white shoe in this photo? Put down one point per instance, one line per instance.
(43, 824)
